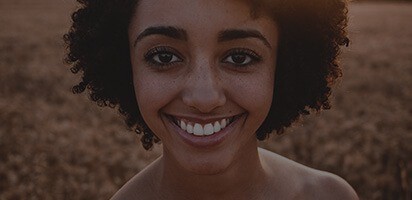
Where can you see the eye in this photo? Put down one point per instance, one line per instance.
(165, 58)
(238, 59)
(241, 57)
(162, 56)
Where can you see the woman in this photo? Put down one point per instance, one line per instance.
(208, 78)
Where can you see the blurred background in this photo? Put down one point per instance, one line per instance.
(56, 145)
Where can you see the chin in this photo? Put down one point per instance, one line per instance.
(212, 162)
(206, 167)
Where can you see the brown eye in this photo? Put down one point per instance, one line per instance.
(241, 57)
(165, 58)
(238, 59)
(162, 56)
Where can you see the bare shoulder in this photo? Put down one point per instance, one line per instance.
(303, 182)
(324, 185)
(141, 186)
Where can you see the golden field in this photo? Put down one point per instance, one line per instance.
(56, 145)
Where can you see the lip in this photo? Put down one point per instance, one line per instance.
(205, 141)
(201, 121)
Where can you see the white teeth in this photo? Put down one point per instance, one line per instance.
(203, 130)
(208, 129)
(216, 127)
(189, 128)
(183, 125)
(198, 129)
(223, 123)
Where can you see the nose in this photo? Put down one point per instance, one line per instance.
(204, 90)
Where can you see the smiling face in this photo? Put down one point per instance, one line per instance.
(203, 74)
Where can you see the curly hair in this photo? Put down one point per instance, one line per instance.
(311, 33)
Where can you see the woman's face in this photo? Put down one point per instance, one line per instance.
(203, 73)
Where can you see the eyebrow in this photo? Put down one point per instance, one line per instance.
(169, 31)
(181, 34)
(234, 34)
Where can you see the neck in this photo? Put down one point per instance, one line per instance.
(245, 177)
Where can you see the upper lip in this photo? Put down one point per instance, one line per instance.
(201, 120)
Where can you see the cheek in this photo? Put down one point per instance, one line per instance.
(152, 94)
(254, 94)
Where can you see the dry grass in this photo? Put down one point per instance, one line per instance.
(55, 145)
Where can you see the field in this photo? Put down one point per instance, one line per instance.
(56, 145)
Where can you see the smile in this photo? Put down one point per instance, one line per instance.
(203, 129)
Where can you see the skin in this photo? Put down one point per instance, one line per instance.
(208, 79)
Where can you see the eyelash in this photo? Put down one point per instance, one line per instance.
(156, 51)
(254, 57)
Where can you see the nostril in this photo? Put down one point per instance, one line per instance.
(204, 100)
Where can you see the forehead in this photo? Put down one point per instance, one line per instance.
(197, 14)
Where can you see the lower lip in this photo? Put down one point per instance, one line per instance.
(206, 141)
